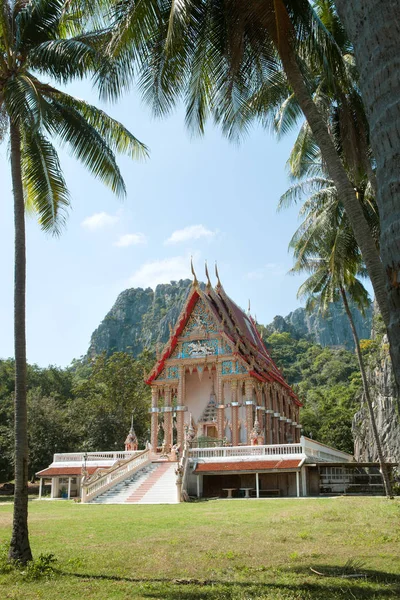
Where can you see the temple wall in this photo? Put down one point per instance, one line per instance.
(197, 394)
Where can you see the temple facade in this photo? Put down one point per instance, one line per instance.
(216, 380)
(224, 424)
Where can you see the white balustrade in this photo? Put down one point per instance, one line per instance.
(307, 448)
(241, 451)
(93, 456)
(115, 475)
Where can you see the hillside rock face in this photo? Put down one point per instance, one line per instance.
(140, 319)
(330, 330)
(383, 391)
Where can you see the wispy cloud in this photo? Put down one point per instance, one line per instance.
(99, 221)
(130, 239)
(161, 271)
(268, 269)
(192, 232)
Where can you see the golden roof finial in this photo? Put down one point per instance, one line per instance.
(195, 282)
(219, 285)
(208, 286)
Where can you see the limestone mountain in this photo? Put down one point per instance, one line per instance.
(141, 318)
(330, 330)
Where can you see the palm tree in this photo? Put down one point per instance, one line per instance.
(215, 54)
(324, 246)
(34, 43)
(374, 30)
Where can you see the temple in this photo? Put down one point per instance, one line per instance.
(216, 375)
(224, 423)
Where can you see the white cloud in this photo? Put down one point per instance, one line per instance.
(130, 239)
(268, 269)
(161, 271)
(192, 232)
(99, 220)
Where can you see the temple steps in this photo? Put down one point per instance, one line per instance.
(154, 484)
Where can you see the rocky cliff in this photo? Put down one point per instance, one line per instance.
(141, 319)
(383, 391)
(330, 330)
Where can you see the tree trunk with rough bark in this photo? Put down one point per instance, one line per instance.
(374, 29)
(343, 184)
(382, 464)
(19, 547)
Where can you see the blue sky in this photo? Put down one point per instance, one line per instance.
(204, 197)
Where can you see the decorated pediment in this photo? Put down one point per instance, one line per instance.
(200, 322)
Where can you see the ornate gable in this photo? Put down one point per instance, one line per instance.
(200, 322)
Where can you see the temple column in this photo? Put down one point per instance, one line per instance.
(260, 413)
(298, 426)
(282, 418)
(235, 413)
(167, 418)
(276, 415)
(249, 408)
(268, 414)
(221, 405)
(180, 432)
(154, 419)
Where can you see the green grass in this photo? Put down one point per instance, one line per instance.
(218, 550)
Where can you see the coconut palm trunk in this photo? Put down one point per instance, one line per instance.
(367, 396)
(374, 29)
(344, 186)
(19, 547)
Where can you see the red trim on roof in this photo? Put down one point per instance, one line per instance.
(250, 465)
(67, 471)
(170, 347)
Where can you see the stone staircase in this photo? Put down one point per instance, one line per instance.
(153, 484)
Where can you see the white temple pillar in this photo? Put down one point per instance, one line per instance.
(298, 484)
(69, 488)
(40, 487)
(257, 486)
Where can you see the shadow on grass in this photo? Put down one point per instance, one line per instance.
(373, 585)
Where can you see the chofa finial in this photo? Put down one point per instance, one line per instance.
(219, 285)
(249, 308)
(195, 282)
(208, 286)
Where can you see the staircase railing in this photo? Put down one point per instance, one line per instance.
(183, 473)
(96, 485)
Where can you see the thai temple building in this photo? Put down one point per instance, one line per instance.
(224, 423)
(217, 377)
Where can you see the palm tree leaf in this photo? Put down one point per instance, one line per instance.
(85, 144)
(45, 189)
(69, 59)
(115, 135)
(22, 100)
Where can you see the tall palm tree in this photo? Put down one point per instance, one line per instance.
(214, 54)
(324, 246)
(34, 44)
(374, 29)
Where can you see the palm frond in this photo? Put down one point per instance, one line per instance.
(45, 189)
(23, 102)
(85, 144)
(117, 137)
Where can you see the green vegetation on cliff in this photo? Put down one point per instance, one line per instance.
(327, 381)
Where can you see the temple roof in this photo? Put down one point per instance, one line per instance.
(236, 327)
(246, 465)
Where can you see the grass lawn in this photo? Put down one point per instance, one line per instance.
(217, 550)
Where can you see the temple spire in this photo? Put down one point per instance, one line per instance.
(219, 285)
(208, 286)
(195, 282)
